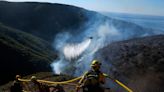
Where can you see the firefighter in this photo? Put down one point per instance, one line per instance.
(37, 86)
(17, 85)
(93, 79)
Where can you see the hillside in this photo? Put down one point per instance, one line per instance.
(28, 31)
(41, 19)
(137, 62)
(22, 53)
(46, 20)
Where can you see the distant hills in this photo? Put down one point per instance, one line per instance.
(148, 21)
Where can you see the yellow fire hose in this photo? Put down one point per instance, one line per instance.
(122, 85)
(69, 82)
(63, 82)
(24, 80)
(118, 82)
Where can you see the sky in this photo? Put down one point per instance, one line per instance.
(146, 7)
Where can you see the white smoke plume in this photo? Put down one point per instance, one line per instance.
(79, 55)
(76, 57)
(72, 51)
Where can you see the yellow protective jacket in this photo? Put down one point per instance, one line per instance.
(92, 78)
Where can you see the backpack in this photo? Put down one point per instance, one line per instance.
(91, 78)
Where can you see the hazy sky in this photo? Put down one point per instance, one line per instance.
(150, 7)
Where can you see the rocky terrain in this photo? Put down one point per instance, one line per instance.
(137, 62)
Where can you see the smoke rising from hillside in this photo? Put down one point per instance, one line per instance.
(72, 51)
(76, 57)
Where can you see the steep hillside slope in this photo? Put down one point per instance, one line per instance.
(41, 19)
(22, 53)
(45, 20)
(137, 62)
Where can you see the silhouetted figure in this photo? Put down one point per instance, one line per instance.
(16, 86)
(37, 86)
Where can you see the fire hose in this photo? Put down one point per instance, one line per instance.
(69, 82)
(119, 83)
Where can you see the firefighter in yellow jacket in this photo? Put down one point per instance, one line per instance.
(93, 79)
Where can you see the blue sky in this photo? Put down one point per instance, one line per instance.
(148, 7)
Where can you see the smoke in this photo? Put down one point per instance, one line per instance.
(77, 51)
(72, 51)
